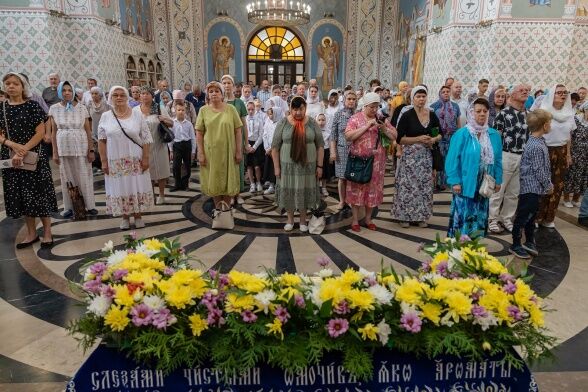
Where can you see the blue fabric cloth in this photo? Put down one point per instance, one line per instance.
(584, 206)
(68, 104)
(469, 215)
(535, 167)
(463, 160)
(530, 101)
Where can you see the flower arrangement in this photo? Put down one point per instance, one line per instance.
(148, 301)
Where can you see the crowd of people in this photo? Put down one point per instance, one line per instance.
(507, 156)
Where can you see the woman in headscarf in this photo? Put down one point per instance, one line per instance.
(314, 103)
(558, 140)
(448, 113)
(279, 106)
(27, 193)
(124, 140)
(220, 147)
(400, 98)
(363, 132)
(97, 106)
(474, 146)
(339, 150)
(73, 147)
(414, 181)
(497, 101)
(576, 181)
(297, 152)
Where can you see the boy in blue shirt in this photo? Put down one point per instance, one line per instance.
(535, 182)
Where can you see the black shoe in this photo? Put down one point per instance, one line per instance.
(24, 245)
(47, 245)
(92, 212)
(519, 252)
(531, 248)
(583, 221)
(68, 214)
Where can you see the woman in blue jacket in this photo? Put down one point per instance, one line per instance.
(474, 150)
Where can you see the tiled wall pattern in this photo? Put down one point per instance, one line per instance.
(77, 48)
(162, 35)
(387, 45)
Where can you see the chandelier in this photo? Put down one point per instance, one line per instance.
(278, 13)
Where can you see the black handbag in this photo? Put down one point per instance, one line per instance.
(359, 169)
(166, 134)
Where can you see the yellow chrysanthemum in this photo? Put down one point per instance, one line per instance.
(494, 266)
(290, 280)
(146, 278)
(236, 303)
(247, 282)
(275, 328)
(432, 312)
(179, 296)
(116, 318)
(369, 331)
(523, 294)
(362, 300)
(410, 291)
(333, 289)
(459, 304)
(185, 276)
(122, 295)
(287, 293)
(350, 276)
(153, 244)
(197, 324)
(438, 259)
(536, 316)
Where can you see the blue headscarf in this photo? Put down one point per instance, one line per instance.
(68, 104)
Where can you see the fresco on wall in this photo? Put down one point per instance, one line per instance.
(441, 12)
(545, 9)
(326, 57)
(106, 9)
(223, 57)
(411, 39)
(135, 17)
(224, 52)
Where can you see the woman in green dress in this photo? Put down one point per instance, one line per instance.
(297, 152)
(218, 135)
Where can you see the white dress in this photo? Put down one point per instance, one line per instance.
(72, 149)
(128, 188)
(158, 152)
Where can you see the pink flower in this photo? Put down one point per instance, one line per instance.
(169, 271)
(411, 322)
(93, 286)
(162, 318)
(342, 308)
(337, 327)
(248, 316)
(282, 314)
(98, 269)
(142, 315)
(299, 301)
(323, 261)
(509, 288)
(119, 274)
(215, 317)
(515, 313)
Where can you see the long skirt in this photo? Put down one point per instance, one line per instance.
(78, 171)
(441, 180)
(468, 216)
(341, 162)
(550, 203)
(414, 185)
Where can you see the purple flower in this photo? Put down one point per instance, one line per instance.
(323, 261)
(442, 268)
(282, 314)
(169, 271)
(342, 308)
(212, 274)
(107, 291)
(215, 317)
(509, 288)
(479, 311)
(426, 266)
(515, 313)
(299, 301)
(93, 286)
(223, 281)
(248, 316)
(209, 300)
(370, 280)
(507, 277)
(119, 274)
(337, 327)
(162, 318)
(476, 295)
(98, 269)
(142, 315)
(411, 322)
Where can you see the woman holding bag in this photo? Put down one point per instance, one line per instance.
(363, 131)
(26, 192)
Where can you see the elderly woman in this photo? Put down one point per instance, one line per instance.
(363, 131)
(123, 141)
(27, 193)
(474, 146)
(159, 151)
(448, 113)
(73, 147)
(297, 152)
(220, 147)
(497, 101)
(418, 131)
(577, 177)
(165, 99)
(339, 145)
(558, 140)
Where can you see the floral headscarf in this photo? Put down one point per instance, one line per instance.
(481, 133)
(446, 114)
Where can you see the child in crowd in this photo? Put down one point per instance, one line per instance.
(321, 120)
(255, 152)
(183, 148)
(269, 128)
(535, 182)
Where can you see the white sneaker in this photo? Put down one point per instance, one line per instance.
(568, 204)
(494, 227)
(125, 224)
(252, 188)
(304, 228)
(269, 190)
(288, 227)
(577, 203)
(139, 224)
(549, 225)
(160, 200)
(259, 187)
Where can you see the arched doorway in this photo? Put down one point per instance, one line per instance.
(275, 54)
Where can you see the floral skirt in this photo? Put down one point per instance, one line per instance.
(128, 188)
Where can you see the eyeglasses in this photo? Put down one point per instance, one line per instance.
(562, 92)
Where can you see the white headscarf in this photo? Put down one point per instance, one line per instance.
(112, 90)
(26, 88)
(545, 102)
(278, 105)
(480, 132)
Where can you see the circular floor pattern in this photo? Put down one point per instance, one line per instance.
(34, 283)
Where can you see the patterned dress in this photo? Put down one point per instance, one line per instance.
(576, 180)
(372, 193)
(26, 193)
(339, 125)
(297, 188)
(469, 215)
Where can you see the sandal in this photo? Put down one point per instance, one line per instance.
(356, 228)
(371, 226)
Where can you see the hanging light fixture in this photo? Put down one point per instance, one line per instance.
(278, 12)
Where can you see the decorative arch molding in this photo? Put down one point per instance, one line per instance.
(228, 20)
(333, 22)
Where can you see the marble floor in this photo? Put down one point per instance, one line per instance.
(37, 303)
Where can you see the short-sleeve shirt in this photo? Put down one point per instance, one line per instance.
(71, 136)
(22, 121)
(512, 124)
(410, 125)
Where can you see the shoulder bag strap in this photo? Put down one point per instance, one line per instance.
(122, 129)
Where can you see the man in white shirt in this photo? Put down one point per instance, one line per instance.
(87, 97)
(183, 148)
(264, 93)
(456, 90)
(255, 152)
